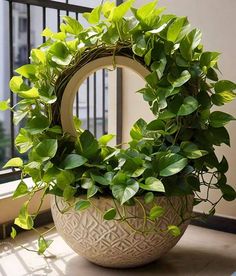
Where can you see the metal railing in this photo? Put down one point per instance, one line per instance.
(95, 123)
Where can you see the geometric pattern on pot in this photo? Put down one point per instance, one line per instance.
(113, 243)
(72, 87)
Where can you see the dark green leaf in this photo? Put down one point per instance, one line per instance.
(194, 182)
(100, 179)
(192, 151)
(73, 161)
(189, 105)
(87, 145)
(219, 119)
(228, 192)
(37, 124)
(110, 214)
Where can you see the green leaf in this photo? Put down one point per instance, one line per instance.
(145, 10)
(38, 56)
(47, 32)
(148, 57)
(99, 179)
(73, 161)
(82, 205)
(46, 149)
(24, 220)
(174, 230)
(171, 163)
(223, 97)
(149, 197)
(16, 83)
(37, 124)
(73, 26)
(224, 85)
(189, 43)
(105, 139)
(69, 192)
(182, 79)
(64, 178)
(189, 105)
(14, 162)
(4, 105)
(93, 17)
(110, 214)
(124, 192)
(59, 50)
(31, 93)
(92, 191)
(219, 119)
(43, 245)
(119, 12)
(140, 45)
(107, 8)
(156, 125)
(21, 190)
(23, 141)
(13, 233)
(28, 71)
(153, 184)
(191, 150)
(138, 129)
(175, 29)
(209, 59)
(87, 183)
(87, 145)
(156, 212)
(165, 115)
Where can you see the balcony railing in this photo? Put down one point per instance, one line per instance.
(24, 34)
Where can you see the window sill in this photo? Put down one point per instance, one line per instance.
(12, 207)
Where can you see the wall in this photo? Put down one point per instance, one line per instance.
(216, 19)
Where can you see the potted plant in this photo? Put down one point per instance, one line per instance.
(123, 207)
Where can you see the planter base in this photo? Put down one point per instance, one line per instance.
(114, 243)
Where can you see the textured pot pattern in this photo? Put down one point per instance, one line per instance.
(115, 243)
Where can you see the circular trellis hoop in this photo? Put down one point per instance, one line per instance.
(83, 73)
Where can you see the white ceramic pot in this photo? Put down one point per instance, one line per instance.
(115, 243)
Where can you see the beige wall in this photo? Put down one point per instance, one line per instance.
(216, 19)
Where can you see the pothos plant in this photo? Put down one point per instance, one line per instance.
(173, 155)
